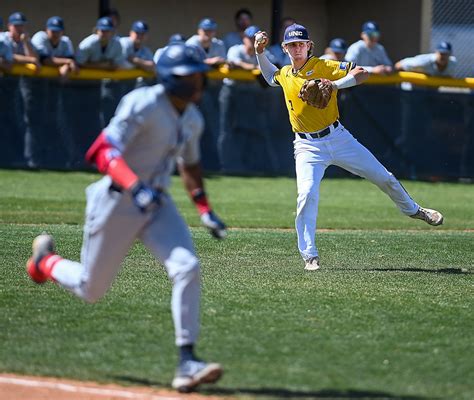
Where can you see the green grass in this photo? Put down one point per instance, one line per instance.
(390, 314)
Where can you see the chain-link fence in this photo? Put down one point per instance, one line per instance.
(453, 21)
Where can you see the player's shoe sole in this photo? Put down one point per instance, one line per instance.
(211, 373)
(42, 246)
(312, 264)
(431, 217)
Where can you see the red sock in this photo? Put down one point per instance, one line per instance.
(47, 264)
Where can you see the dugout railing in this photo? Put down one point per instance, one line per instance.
(420, 127)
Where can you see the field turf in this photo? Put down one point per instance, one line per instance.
(389, 315)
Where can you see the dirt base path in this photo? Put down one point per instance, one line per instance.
(16, 387)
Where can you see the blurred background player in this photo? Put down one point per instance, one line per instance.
(368, 52)
(6, 51)
(175, 38)
(134, 51)
(102, 49)
(279, 56)
(153, 128)
(439, 63)
(243, 19)
(321, 140)
(54, 48)
(214, 48)
(336, 50)
(19, 40)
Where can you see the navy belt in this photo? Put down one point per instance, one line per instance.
(320, 134)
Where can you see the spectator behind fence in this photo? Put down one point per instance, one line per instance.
(439, 63)
(335, 51)
(214, 48)
(18, 38)
(368, 52)
(174, 38)
(281, 58)
(101, 50)
(55, 49)
(243, 19)
(6, 51)
(134, 51)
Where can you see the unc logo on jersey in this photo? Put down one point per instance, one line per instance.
(343, 66)
(309, 72)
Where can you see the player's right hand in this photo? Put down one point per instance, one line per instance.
(212, 222)
(261, 41)
(145, 197)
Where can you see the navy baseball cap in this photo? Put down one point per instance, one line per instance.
(140, 27)
(251, 31)
(208, 24)
(338, 45)
(371, 27)
(105, 24)
(55, 24)
(176, 38)
(444, 47)
(295, 33)
(17, 18)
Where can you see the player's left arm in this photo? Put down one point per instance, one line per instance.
(194, 184)
(354, 77)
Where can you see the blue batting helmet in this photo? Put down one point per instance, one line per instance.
(178, 60)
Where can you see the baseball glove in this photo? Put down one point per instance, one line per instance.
(316, 93)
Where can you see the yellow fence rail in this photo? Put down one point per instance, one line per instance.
(240, 75)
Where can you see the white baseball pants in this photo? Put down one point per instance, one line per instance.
(339, 148)
(112, 224)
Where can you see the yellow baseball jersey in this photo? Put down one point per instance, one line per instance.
(303, 117)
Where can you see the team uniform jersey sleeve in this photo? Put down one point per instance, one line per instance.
(234, 54)
(193, 127)
(385, 58)
(68, 47)
(334, 70)
(39, 42)
(84, 51)
(418, 63)
(353, 52)
(6, 51)
(116, 52)
(130, 117)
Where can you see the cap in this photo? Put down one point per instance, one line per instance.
(338, 45)
(295, 33)
(176, 38)
(140, 27)
(17, 18)
(370, 27)
(55, 24)
(208, 24)
(444, 47)
(105, 24)
(251, 31)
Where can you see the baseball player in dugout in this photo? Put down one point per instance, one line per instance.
(310, 87)
(153, 128)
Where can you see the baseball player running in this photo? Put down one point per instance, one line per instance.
(320, 139)
(152, 128)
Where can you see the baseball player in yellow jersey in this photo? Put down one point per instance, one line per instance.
(320, 138)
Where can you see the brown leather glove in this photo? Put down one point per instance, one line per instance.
(316, 92)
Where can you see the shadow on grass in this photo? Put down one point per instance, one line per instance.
(453, 271)
(280, 393)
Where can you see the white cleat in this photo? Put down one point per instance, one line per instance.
(192, 373)
(312, 264)
(428, 215)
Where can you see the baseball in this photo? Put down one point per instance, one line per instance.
(260, 38)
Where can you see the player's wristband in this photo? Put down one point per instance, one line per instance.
(200, 200)
(345, 82)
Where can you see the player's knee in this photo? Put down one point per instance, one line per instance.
(182, 263)
(306, 196)
(385, 180)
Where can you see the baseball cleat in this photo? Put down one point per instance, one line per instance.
(312, 264)
(43, 245)
(428, 215)
(192, 373)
